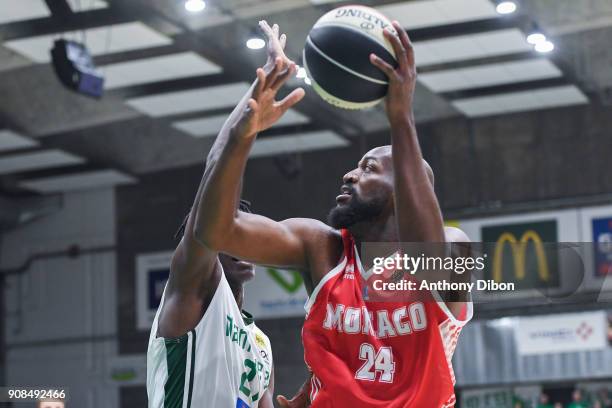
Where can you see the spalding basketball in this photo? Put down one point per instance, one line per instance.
(337, 56)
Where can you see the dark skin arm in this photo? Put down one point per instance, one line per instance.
(249, 236)
(194, 274)
(417, 210)
(195, 271)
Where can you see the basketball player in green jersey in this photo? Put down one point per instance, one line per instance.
(204, 351)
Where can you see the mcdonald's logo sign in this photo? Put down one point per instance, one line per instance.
(518, 254)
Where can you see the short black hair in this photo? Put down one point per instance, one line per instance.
(243, 205)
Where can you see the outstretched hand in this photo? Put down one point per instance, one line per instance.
(276, 44)
(263, 110)
(402, 80)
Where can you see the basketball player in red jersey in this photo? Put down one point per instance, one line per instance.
(361, 353)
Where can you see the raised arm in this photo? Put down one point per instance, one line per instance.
(194, 271)
(218, 225)
(417, 210)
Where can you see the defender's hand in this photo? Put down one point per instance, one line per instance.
(263, 110)
(276, 45)
(300, 400)
(402, 81)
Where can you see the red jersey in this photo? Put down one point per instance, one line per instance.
(377, 354)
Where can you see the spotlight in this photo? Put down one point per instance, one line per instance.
(255, 43)
(195, 6)
(544, 47)
(536, 37)
(506, 7)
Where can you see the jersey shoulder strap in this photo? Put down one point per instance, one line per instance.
(348, 243)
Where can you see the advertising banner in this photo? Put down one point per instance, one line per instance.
(520, 254)
(152, 271)
(272, 293)
(562, 333)
(275, 293)
(602, 239)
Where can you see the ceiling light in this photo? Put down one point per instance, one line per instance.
(544, 46)
(195, 6)
(535, 38)
(255, 43)
(506, 7)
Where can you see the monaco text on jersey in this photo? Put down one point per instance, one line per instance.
(401, 321)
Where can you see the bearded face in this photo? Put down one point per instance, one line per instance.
(352, 208)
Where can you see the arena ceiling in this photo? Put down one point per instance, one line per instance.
(172, 77)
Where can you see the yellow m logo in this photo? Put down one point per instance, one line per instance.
(519, 249)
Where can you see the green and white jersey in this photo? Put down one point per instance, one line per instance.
(225, 362)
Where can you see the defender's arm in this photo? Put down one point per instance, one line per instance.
(221, 228)
(194, 271)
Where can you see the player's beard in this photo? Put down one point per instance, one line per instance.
(355, 211)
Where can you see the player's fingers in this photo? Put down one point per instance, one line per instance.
(252, 107)
(275, 30)
(382, 65)
(249, 112)
(288, 101)
(400, 51)
(283, 41)
(261, 82)
(402, 35)
(406, 43)
(276, 71)
(265, 27)
(283, 77)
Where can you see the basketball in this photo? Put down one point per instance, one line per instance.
(337, 56)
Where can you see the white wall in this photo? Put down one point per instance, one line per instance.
(61, 313)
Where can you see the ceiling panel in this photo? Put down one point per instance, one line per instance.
(86, 5)
(37, 160)
(213, 16)
(190, 101)
(427, 13)
(489, 75)
(81, 181)
(561, 96)
(465, 47)
(210, 126)
(521, 101)
(101, 40)
(10, 140)
(18, 10)
(162, 68)
(300, 142)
